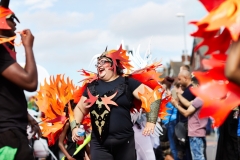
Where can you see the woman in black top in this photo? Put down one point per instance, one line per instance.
(109, 99)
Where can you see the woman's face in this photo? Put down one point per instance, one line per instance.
(104, 68)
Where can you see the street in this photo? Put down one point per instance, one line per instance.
(211, 146)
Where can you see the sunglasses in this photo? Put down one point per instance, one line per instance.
(12, 18)
(101, 62)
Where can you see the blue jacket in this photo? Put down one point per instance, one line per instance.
(172, 113)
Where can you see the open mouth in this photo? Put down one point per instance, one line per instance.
(100, 70)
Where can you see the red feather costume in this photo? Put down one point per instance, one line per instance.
(217, 29)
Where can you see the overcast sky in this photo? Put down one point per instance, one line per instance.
(69, 33)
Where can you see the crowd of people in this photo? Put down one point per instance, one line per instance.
(124, 109)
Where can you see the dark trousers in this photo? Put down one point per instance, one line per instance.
(113, 149)
(171, 139)
(227, 148)
(184, 151)
(17, 139)
(55, 150)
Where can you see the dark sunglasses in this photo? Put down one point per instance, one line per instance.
(12, 18)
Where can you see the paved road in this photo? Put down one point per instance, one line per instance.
(211, 147)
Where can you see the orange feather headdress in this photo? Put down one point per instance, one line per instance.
(5, 13)
(119, 58)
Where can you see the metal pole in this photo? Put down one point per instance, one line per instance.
(184, 32)
(184, 36)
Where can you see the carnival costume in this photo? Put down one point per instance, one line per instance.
(144, 144)
(102, 104)
(218, 29)
(53, 96)
(221, 97)
(53, 100)
(5, 13)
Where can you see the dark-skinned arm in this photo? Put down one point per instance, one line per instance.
(232, 69)
(34, 126)
(26, 77)
(88, 151)
(79, 112)
(61, 141)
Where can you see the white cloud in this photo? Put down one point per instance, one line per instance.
(59, 54)
(40, 4)
(45, 20)
(66, 48)
(145, 20)
(66, 40)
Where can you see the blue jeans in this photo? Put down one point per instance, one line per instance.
(171, 125)
(198, 148)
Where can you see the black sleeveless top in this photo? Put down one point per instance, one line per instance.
(115, 123)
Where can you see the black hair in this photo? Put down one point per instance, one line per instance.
(4, 3)
(73, 105)
(169, 79)
(119, 70)
(195, 80)
(177, 84)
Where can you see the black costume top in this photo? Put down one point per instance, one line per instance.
(116, 123)
(13, 106)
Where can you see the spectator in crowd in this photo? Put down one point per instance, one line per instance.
(171, 120)
(184, 79)
(196, 126)
(185, 67)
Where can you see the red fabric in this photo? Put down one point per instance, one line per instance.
(219, 95)
(211, 4)
(4, 12)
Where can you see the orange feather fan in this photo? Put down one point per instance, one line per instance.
(51, 100)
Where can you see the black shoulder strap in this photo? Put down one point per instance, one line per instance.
(92, 87)
(128, 93)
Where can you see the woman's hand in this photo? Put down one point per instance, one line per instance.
(168, 92)
(148, 129)
(174, 102)
(75, 136)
